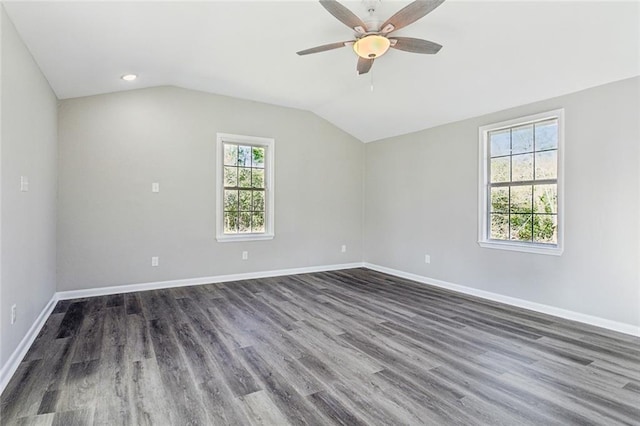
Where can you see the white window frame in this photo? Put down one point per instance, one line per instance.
(269, 145)
(483, 194)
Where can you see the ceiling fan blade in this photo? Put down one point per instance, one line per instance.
(344, 15)
(323, 48)
(364, 65)
(415, 45)
(409, 14)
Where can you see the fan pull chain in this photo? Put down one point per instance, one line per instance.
(371, 74)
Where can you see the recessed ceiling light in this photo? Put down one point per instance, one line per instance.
(129, 77)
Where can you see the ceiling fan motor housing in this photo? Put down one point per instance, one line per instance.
(373, 24)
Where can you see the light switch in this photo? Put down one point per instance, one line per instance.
(155, 187)
(24, 183)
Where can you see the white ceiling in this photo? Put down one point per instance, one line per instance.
(496, 55)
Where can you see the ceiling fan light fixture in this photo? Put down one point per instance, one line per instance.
(372, 46)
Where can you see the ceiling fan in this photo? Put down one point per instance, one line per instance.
(372, 40)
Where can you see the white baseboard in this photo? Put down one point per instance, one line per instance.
(10, 367)
(521, 303)
(130, 288)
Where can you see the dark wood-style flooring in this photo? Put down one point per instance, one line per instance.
(347, 347)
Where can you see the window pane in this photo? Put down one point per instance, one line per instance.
(545, 228)
(500, 143)
(522, 139)
(230, 200)
(546, 135)
(521, 186)
(257, 222)
(500, 200)
(545, 198)
(520, 228)
(245, 200)
(258, 201)
(522, 167)
(258, 157)
(499, 227)
(244, 177)
(521, 201)
(257, 178)
(230, 222)
(500, 169)
(244, 224)
(231, 176)
(244, 156)
(230, 155)
(547, 165)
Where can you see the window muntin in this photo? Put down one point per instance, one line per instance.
(521, 184)
(245, 193)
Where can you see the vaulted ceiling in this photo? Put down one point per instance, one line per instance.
(496, 54)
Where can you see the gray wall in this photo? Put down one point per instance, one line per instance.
(421, 194)
(112, 147)
(28, 219)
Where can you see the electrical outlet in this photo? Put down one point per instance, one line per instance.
(245, 255)
(427, 258)
(344, 248)
(13, 313)
(24, 184)
(155, 187)
(155, 261)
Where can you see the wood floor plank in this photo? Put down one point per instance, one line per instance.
(428, 394)
(334, 409)
(238, 378)
(348, 347)
(132, 303)
(18, 399)
(185, 401)
(633, 387)
(335, 350)
(80, 389)
(150, 403)
(89, 338)
(139, 344)
(379, 404)
(297, 410)
(38, 397)
(113, 405)
(39, 420)
(575, 401)
(61, 306)
(476, 408)
(72, 320)
(41, 345)
(73, 418)
(262, 411)
(517, 400)
(218, 400)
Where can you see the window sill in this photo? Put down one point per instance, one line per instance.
(243, 237)
(551, 250)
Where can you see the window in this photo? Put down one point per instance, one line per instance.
(521, 188)
(244, 188)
